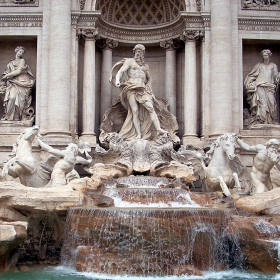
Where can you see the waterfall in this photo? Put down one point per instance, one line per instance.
(145, 241)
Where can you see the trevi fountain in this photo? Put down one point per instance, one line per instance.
(139, 139)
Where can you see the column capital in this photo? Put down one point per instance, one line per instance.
(88, 33)
(170, 44)
(191, 35)
(107, 43)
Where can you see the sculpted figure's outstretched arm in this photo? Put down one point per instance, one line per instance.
(83, 161)
(50, 149)
(245, 146)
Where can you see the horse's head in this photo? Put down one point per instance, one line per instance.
(30, 133)
(227, 142)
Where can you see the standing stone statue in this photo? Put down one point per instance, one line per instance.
(261, 87)
(132, 75)
(267, 156)
(16, 84)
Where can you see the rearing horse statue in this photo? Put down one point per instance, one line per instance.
(219, 173)
(24, 165)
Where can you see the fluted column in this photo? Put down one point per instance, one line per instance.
(190, 87)
(59, 70)
(89, 106)
(221, 68)
(170, 74)
(107, 46)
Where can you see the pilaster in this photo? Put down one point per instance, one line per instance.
(59, 71)
(221, 68)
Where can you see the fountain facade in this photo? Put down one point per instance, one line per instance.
(169, 143)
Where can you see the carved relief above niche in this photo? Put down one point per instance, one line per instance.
(144, 20)
(17, 3)
(260, 4)
(142, 12)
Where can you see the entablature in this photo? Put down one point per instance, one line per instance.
(21, 20)
(141, 33)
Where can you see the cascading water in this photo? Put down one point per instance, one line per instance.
(159, 198)
(150, 241)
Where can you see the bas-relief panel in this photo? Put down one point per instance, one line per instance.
(260, 4)
(19, 3)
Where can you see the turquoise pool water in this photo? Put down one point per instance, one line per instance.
(61, 273)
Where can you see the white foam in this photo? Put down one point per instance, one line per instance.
(210, 275)
(119, 203)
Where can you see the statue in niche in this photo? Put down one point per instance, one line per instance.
(143, 109)
(261, 85)
(267, 156)
(16, 85)
(64, 167)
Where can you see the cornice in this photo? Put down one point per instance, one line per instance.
(259, 24)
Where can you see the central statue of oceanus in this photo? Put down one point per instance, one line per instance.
(138, 114)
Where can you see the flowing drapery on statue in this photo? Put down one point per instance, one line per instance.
(137, 114)
(142, 94)
(260, 84)
(16, 83)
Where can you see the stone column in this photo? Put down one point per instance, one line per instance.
(206, 84)
(190, 86)
(88, 126)
(59, 71)
(221, 68)
(107, 46)
(42, 106)
(170, 74)
(74, 78)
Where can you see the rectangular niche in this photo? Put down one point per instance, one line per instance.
(7, 53)
(252, 55)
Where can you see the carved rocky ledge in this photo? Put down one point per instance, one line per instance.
(263, 203)
(256, 241)
(11, 235)
(16, 196)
